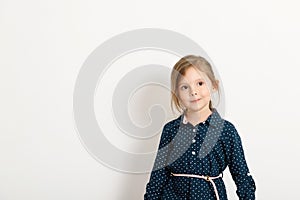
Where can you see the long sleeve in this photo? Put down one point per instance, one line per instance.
(238, 166)
(159, 174)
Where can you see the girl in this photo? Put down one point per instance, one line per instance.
(196, 147)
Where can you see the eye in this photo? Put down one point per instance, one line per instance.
(184, 87)
(201, 83)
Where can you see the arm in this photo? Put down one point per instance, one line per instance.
(160, 174)
(238, 166)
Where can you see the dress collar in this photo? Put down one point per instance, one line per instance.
(213, 119)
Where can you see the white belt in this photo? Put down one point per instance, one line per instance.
(207, 178)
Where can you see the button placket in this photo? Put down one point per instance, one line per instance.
(193, 148)
(195, 130)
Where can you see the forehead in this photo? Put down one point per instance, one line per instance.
(192, 74)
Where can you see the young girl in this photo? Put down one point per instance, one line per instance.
(197, 147)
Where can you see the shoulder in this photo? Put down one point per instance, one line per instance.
(223, 127)
(217, 122)
(229, 126)
(172, 124)
(229, 131)
(171, 127)
(169, 131)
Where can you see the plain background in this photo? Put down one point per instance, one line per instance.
(253, 44)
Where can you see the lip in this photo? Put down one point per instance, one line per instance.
(196, 100)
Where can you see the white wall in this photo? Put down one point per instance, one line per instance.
(253, 44)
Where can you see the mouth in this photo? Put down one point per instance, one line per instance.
(196, 100)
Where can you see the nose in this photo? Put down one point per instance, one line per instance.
(193, 90)
(194, 93)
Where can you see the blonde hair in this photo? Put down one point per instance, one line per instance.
(179, 70)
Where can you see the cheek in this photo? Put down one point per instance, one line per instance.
(182, 95)
(205, 92)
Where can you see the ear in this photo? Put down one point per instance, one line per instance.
(215, 86)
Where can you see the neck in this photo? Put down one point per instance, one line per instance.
(198, 116)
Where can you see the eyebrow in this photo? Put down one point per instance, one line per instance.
(181, 83)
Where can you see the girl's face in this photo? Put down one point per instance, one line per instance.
(194, 90)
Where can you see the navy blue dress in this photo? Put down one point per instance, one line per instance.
(205, 149)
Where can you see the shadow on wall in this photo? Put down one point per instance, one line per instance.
(133, 186)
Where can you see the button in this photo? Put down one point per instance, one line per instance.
(194, 130)
(193, 140)
(193, 152)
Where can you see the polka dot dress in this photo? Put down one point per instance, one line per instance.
(205, 149)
